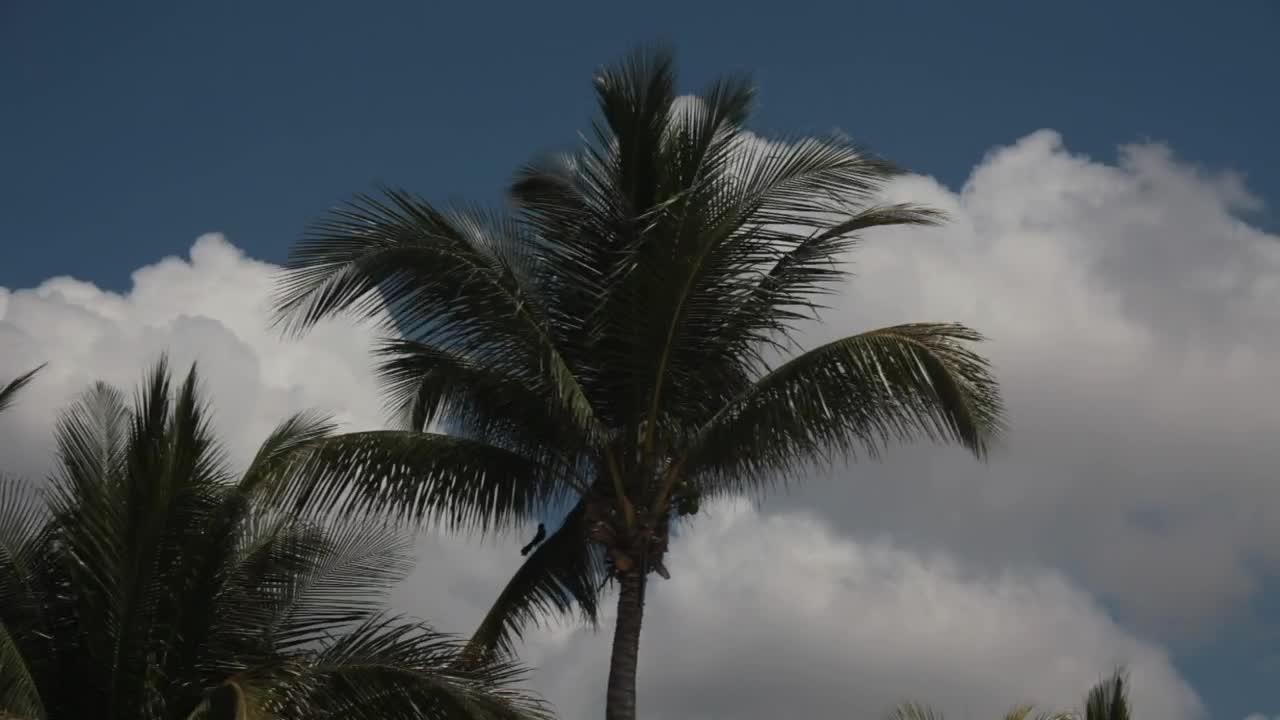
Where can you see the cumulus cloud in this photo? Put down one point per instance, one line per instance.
(780, 616)
(1131, 316)
(210, 308)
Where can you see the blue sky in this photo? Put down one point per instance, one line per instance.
(134, 126)
(131, 128)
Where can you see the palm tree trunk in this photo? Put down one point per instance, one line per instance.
(620, 703)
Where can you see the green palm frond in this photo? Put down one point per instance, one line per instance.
(1109, 699)
(790, 292)
(340, 574)
(563, 574)
(10, 391)
(388, 668)
(19, 693)
(859, 393)
(914, 711)
(454, 279)
(456, 482)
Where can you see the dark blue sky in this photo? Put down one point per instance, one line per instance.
(127, 129)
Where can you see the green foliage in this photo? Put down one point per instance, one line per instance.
(1108, 700)
(146, 580)
(10, 391)
(608, 345)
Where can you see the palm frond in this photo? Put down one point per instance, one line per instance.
(1029, 712)
(338, 576)
(562, 574)
(451, 279)
(455, 482)
(389, 669)
(19, 694)
(901, 383)
(10, 391)
(284, 445)
(489, 403)
(22, 521)
(1109, 699)
(635, 98)
(766, 315)
(914, 711)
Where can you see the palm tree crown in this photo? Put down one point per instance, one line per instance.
(146, 581)
(604, 353)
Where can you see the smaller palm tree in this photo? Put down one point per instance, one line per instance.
(1108, 700)
(147, 581)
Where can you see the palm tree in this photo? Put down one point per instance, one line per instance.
(1108, 700)
(146, 581)
(602, 357)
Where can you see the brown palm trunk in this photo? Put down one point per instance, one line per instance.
(620, 703)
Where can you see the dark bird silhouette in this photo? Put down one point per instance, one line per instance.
(537, 538)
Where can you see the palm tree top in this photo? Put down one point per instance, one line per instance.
(606, 350)
(146, 580)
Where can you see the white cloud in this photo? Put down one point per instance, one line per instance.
(779, 616)
(212, 308)
(1132, 316)
(1133, 320)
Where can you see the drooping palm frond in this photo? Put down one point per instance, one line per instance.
(917, 711)
(490, 403)
(388, 668)
(914, 711)
(280, 450)
(563, 574)
(454, 279)
(19, 693)
(10, 391)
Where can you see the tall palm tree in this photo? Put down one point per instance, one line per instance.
(1108, 700)
(146, 581)
(602, 357)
